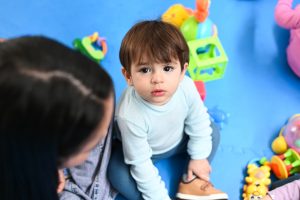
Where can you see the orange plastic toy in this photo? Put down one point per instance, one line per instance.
(285, 164)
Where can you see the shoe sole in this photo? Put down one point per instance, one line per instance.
(194, 197)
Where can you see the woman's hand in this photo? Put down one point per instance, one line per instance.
(61, 181)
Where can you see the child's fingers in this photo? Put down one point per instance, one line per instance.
(204, 177)
(190, 175)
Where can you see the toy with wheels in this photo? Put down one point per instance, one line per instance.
(289, 136)
(92, 46)
(257, 181)
(285, 164)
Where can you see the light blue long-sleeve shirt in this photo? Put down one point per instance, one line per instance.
(148, 130)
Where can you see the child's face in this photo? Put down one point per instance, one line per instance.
(156, 83)
(97, 135)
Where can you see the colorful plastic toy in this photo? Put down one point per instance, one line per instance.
(192, 29)
(291, 132)
(289, 136)
(285, 164)
(208, 59)
(198, 25)
(257, 181)
(176, 15)
(92, 46)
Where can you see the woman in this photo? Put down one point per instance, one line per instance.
(55, 107)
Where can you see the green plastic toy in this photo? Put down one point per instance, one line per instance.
(92, 46)
(208, 59)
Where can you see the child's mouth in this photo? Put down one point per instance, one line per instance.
(158, 93)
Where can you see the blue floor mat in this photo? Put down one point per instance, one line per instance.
(259, 90)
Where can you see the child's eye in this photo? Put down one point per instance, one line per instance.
(168, 68)
(145, 70)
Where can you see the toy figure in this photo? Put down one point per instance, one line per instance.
(257, 181)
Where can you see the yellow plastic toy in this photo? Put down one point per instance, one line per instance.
(257, 181)
(279, 145)
(176, 15)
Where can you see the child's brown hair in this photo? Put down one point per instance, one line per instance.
(153, 41)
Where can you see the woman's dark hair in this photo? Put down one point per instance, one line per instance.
(154, 40)
(51, 100)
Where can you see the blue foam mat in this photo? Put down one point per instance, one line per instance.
(259, 91)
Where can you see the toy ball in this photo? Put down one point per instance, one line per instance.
(291, 132)
(279, 145)
(192, 29)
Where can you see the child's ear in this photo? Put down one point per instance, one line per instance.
(185, 66)
(127, 76)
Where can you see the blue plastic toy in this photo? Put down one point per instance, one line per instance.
(218, 116)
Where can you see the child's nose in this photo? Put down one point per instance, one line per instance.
(157, 77)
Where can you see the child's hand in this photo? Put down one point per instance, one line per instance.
(61, 181)
(200, 168)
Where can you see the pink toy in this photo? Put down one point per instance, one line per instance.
(201, 89)
(289, 18)
(291, 132)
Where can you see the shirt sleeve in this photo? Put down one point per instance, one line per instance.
(197, 124)
(137, 154)
(288, 191)
(285, 16)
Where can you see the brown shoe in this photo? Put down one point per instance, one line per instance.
(198, 189)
